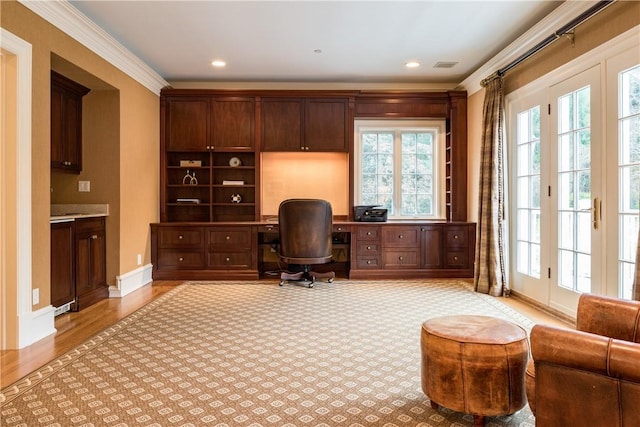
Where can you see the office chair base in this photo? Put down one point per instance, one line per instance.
(306, 276)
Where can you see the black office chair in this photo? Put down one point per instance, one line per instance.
(306, 227)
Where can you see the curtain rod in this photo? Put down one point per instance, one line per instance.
(553, 37)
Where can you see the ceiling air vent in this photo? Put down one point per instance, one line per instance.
(445, 64)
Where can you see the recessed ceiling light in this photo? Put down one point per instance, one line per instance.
(218, 63)
(412, 64)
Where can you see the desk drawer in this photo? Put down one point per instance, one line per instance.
(229, 260)
(457, 259)
(181, 237)
(180, 260)
(401, 237)
(368, 233)
(368, 249)
(230, 237)
(368, 262)
(457, 237)
(401, 259)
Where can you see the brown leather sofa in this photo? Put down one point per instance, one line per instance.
(589, 376)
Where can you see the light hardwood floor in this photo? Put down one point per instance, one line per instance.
(75, 328)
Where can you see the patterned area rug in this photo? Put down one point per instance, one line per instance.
(256, 355)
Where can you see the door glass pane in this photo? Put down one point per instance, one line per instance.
(628, 176)
(574, 190)
(528, 192)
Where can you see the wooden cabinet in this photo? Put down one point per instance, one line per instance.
(209, 186)
(208, 159)
(66, 123)
(230, 248)
(209, 123)
(62, 264)
(90, 254)
(196, 252)
(305, 124)
(366, 248)
(401, 247)
(412, 250)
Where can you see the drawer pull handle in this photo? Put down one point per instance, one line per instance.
(339, 228)
(455, 258)
(180, 259)
(368, 233)
(94, 236)
(368, 261)
(455, 236)
(400, 236)
(181, 237)
(368, 248)
(400, 258)
(228, 237)
(227, 259)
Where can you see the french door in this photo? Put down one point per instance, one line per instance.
(575, 189)
(574, 148)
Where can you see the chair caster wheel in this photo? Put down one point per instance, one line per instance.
(281, 283)
(311, 285)
(330, 280)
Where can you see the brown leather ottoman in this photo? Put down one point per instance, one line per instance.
(474, 364)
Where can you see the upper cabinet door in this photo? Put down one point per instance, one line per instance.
(66, 123)
(282, 124)
(187, 124)
(326, 125)
(233, 123)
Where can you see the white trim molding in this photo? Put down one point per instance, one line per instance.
(36, 325)
(67, 18)
(131, 281)
(547, 26)
(28, 324)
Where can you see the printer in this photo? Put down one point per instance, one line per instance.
(369, 213)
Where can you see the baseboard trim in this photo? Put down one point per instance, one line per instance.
(538, 305)
(36, 325)
(131, 281)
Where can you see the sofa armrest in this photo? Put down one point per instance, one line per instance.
(610, 317)
(586, 352)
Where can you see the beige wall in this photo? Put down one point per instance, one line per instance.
(134, 175)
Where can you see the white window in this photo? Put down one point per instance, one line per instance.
(398, 166)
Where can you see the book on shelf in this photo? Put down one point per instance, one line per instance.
(188, 201)
(232, 182)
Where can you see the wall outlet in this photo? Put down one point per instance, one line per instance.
(139, 259)
(84, 186)
(35, 299)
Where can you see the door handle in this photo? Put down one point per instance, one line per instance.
(597, 212)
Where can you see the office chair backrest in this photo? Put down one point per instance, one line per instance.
(306, 227)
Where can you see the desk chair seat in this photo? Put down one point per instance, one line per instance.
(306, 227)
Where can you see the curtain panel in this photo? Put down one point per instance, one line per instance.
(490, 269)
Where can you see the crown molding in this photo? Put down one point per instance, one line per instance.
(548, 25)
(70, 20)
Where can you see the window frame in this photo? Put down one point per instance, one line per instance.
(439, 159)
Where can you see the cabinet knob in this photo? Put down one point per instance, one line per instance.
(339, 228)
(455, 236)
(227, 259)
(180, 259)
(368, 233)
(228, 237)
(368, 248)
(400, 258)
(181, 237)
(400, 236)
(455, 258)
(94, 236)
(368, 261)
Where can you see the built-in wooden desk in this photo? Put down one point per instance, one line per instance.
(362, 250)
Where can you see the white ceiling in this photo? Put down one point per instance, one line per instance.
(274, 41)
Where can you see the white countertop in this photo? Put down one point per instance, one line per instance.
(71, 212)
